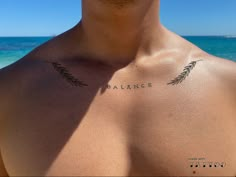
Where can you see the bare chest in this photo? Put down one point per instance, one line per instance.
(119, 135)
(189, 143)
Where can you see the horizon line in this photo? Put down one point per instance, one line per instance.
(228, 35)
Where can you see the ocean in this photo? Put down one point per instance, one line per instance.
(14, 48)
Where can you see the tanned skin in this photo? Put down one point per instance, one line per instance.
(118, 95)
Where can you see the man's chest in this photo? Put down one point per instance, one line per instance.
(184, 145)
(143, 135)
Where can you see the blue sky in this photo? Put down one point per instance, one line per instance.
(52, 17)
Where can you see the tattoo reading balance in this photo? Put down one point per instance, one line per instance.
(78, 83)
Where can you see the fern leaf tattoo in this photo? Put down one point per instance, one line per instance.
(67, 75)
(187, 69)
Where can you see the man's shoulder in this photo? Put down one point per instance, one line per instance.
(223, 69)
(15, 78)
(33, 67)
(56, 48)
(14, 72)
(223, 75)
(49, 51)
(6, 77)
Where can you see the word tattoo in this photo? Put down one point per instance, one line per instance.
(184, 74)
(127, 87)
(67, 75)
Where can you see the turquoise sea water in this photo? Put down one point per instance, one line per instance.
(221, 46)
(14, 48)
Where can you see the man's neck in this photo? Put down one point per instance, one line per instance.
(120, 31)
